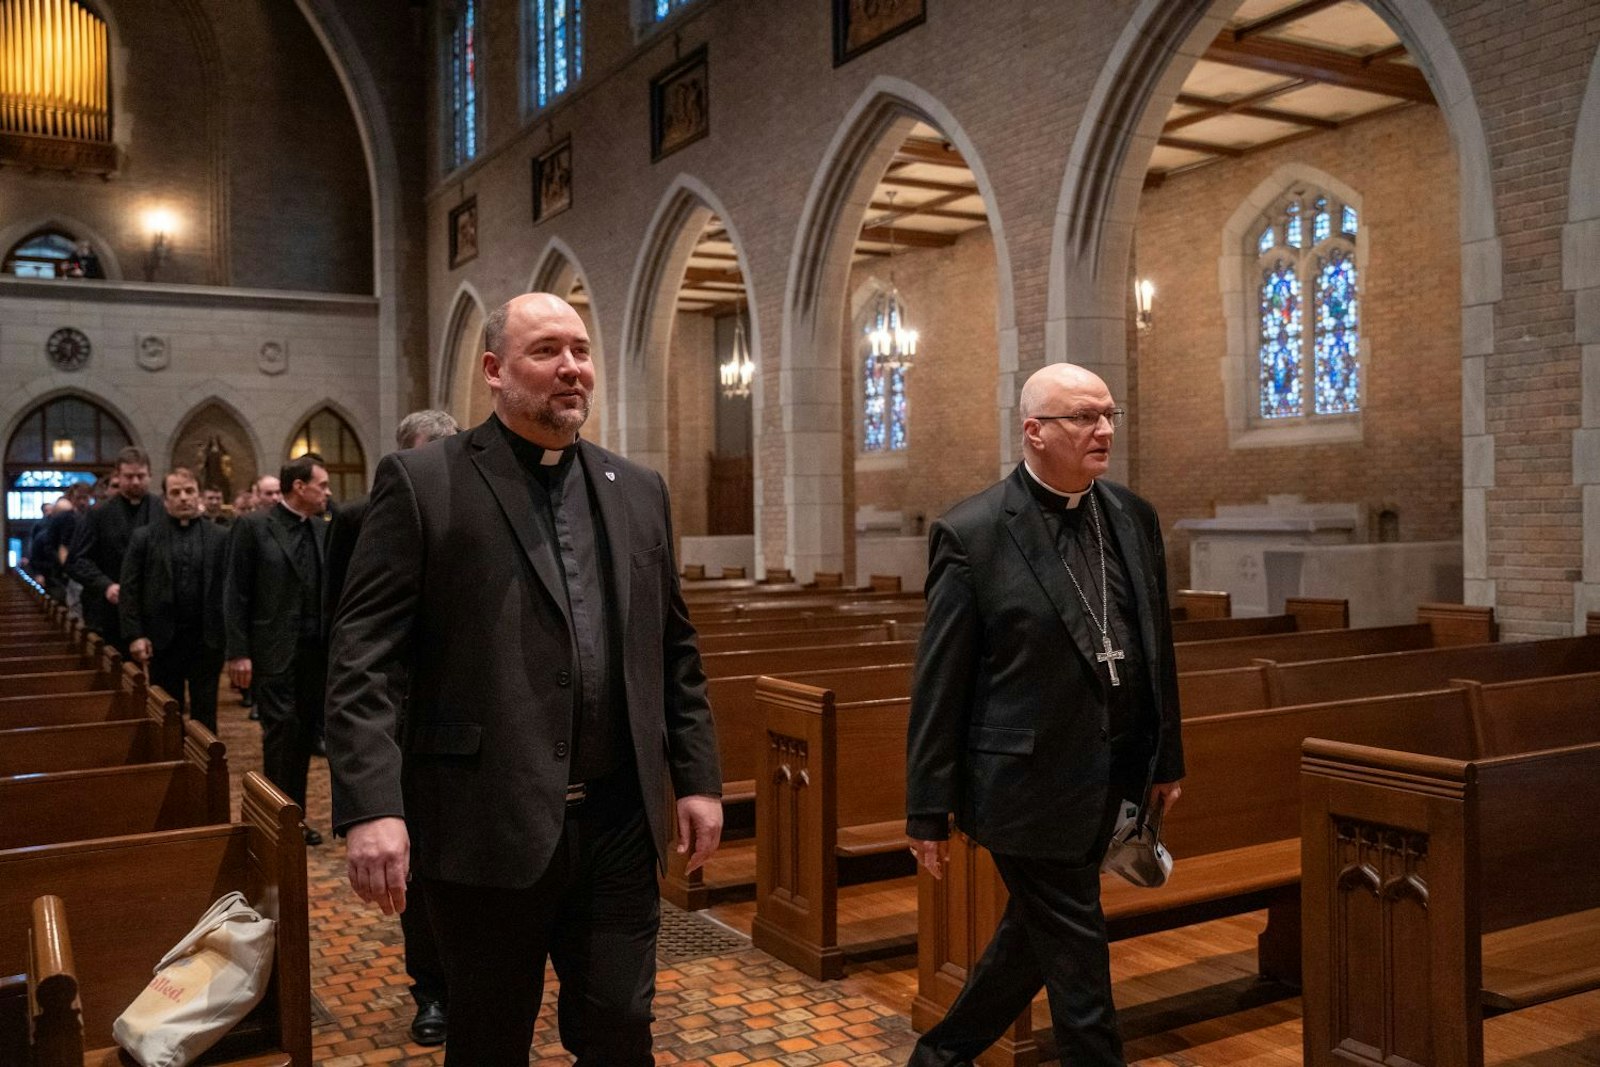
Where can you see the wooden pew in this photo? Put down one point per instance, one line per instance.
(1202, 604)
(131, 699)
(830, 788)
(811, 620)
(1440, 890)
(850, 633)
(741, 742)
(156, 735)
(807, 658)
(1432, 630)
(128, 900)
(1300, 614)
(135, 798)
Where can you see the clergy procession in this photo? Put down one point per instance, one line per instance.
(832, 533)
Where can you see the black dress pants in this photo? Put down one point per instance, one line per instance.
(289, 703)
(1052, 935)
(189, 672)
(594, 912)
(423, 964)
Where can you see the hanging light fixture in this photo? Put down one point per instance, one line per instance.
(894, 342)
(1144, 298)
(739, 370)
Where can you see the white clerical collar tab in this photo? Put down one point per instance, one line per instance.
(551, 457)
(1072, 499)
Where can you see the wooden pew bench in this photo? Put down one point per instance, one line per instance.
(43, 809)
(765, 638)
(125, 901)
(1439, 891)
(792, 660)
(1188, 604)
(1339, 643)
(131, 699)
(156, 735)
(905, 614)
(741, 743)
(830, 790)
(1300, 615)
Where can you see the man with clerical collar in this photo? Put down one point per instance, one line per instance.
(273, 606)
(171, 602)
(1045, 694)
(101, 540)
(515, 687)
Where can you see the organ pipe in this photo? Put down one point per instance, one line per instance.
(53, 78)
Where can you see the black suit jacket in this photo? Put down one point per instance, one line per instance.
(95, 559)
(1003, 732)
(147, 590)
(261, 600)
(343, 530)
(453, 611)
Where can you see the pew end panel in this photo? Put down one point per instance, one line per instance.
(1204, 603)
(54, 1033)
(796, 819)
(1318, 613)
(1459, 624)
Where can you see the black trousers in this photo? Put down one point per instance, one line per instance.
(290, 704)
(189, 672)
(423, 964)
(594, 912)
(1052, 935)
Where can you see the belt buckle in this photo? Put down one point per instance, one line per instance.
(577, 792)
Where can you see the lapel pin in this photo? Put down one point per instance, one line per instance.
(611, 476)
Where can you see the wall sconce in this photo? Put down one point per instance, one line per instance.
(62, 450)
(160, 225)
(1144, 298)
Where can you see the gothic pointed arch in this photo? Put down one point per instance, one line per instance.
(1580, 275)
(214, 441)
(330, 432)
(815, 299)
(458, 385)
(63, 436)
(558, 271)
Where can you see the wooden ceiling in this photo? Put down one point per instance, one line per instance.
(1280, 71)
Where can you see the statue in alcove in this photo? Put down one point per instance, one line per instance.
(216, 467)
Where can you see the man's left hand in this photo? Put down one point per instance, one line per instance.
(699, 829)
(1165, 794)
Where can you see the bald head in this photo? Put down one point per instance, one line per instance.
(538, 367)
(1068, 422)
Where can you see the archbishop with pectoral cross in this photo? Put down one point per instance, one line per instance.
(1045, 695)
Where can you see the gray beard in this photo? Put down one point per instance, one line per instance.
(545, 416)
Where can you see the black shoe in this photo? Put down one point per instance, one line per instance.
(246, 700)
(255, 716)
(431, 1024)
(312, 837)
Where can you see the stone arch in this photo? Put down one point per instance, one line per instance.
(366, 102)
(216, 415)
(26, 408)
(368, 457)
(17, 405)
(457, 386)
(1580, 275)
(641, 364)
(557, 272)
(1099, 201)
(10, 235)
(814, 308)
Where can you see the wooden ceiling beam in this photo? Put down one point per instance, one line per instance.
(1383, 54)
(1227, 151)
(692, 275)
(932, 187)
(1156, 178)
(1212, 108)
(1292, 13)
(909, 238)
(901, 211)
(921, 150)
(1292, 60)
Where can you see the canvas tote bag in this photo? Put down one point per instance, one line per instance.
(207, 983)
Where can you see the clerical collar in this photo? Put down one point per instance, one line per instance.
(536, 456)
(1066, 500)
(284, 504)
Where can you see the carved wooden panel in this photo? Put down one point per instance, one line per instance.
(790, 759)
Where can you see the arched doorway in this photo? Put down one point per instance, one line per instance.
(460, 388)
(61, 441)
(326, 433)
(216, 446)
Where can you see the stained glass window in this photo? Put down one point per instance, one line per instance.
(464, 111)
(885, 412)
(663, 9)
(556, 62)
(1308, 308)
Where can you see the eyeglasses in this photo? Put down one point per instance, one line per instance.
(1089, 420)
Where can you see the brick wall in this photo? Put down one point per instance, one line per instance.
(691, 429)
(1409, 457)
(952, 448)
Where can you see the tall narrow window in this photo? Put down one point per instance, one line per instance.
(464, 111)
(663, 9)
(328, 435)
(885, 413)
(555, 62)
(1308, 353)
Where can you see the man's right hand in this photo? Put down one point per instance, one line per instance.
(239, 672)
(932, 855)
(114, 593)
(378, 859)
(141, 649)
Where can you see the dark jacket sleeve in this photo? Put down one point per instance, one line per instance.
(238, 588)
(692, 753)
(80, 557)
(131, 604)
(941, 692)
(367, 666)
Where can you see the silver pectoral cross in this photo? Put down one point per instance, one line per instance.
(1109, 658)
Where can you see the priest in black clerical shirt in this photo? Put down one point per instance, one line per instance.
(171, 601)
(1045, 695)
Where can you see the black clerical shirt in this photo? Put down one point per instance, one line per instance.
(187, 549)
(564, 503)
(1072, 531)
(308, 567)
